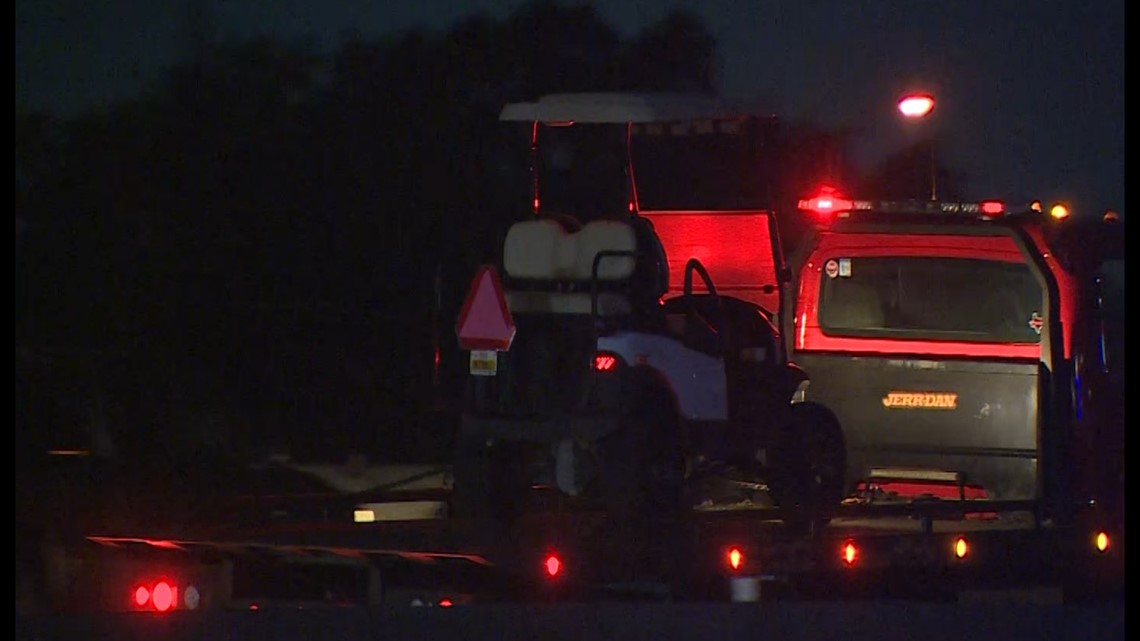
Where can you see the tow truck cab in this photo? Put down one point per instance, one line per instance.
(941, 335)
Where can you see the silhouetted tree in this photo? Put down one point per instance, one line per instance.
(254, 247)
(676, 54)
(810, 157)
(912, 173)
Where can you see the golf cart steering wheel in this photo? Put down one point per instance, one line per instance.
(695, 265)
(692, 312)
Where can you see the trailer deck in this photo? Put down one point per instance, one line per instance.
(928, 550)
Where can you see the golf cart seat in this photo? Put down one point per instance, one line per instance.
(550, 270)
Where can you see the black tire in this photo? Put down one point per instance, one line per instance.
(807, 466)
(643, 463)
(489, 481)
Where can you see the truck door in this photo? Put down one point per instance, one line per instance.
(742, 254)
(740, 249)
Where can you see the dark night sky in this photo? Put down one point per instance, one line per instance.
(1031, 93)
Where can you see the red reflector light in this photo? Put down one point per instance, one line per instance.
(553, 565)
(445, 602)
(735, 558)
(850, 553)
(992, 207)
(605, 362)
(142, 596)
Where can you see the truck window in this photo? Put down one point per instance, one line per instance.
(931, 299)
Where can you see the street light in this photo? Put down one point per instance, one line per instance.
(915, 106)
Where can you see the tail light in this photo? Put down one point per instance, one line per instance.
(163, 596)
(606, 362)
(850, 553)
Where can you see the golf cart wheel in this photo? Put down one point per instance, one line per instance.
(808, 466)
(643, 463)
(488, 481)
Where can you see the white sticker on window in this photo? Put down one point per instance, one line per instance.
(845, 267)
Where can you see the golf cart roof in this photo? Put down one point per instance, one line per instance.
(619, 108)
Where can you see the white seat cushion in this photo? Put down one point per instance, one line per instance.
(543, 250)
(609, 304)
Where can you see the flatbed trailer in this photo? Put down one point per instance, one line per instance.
(729, 551)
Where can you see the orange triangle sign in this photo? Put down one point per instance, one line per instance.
(485, 322)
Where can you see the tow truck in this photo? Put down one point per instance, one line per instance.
(957, 343)
(941, 335)
(948, 337)
(405, 545)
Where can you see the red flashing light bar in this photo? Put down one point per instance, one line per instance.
(992, 207)
(828, 203)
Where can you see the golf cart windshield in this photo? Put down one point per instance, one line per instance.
(582, 170)
(702, 165)
(686, 153)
